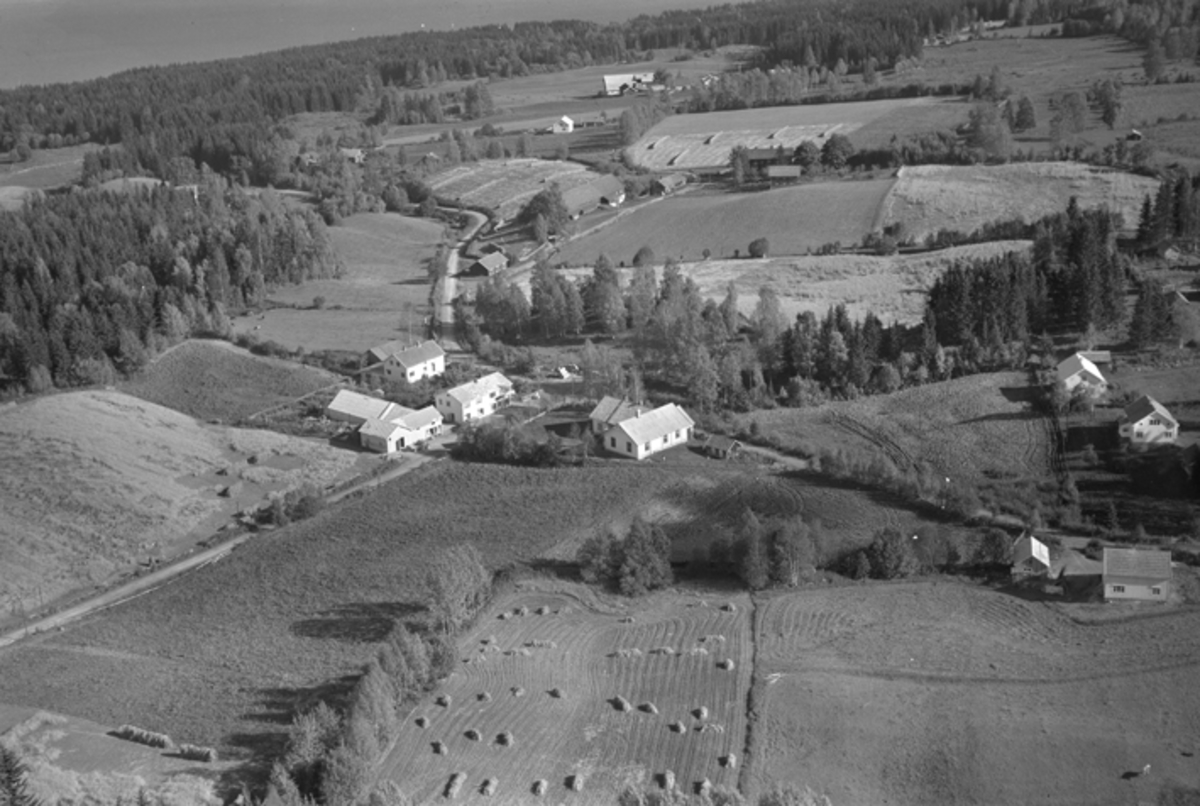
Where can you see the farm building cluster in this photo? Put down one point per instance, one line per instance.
(638, 431)
(1145, 421)
(1123, 573)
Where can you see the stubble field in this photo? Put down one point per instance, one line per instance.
(660, 655)
(506, 185)
(941, 693)
(385, 287)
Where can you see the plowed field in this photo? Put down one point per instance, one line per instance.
(592, 657)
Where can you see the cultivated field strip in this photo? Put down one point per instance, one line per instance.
(505, 185)
(510, 667)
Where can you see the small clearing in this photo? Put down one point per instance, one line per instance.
(928, 198)
(47, 168)
(215, 380)
(94, 482)
(506, 185)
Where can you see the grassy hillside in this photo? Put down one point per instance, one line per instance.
(94, 482)
(214, 380)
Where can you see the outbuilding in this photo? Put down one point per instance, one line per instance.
(719, 446)
(1079, 372)
(563, 125)
(1031, 557)
(1140, 574)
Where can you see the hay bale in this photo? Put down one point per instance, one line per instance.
(556, 693)
(627, 620)
(472, 734)
(455, 784)
(710, 727)
(143, 736)
(667, 779)
(542, 611)
(539, 643)
(626, 653)
(704, 788)
(443, 700)
(677, 727)
(422, 721)
(726, 664)
(491, 639)
(484, 696)
(662, 650)
(517, 691)
(521, 611)
(729, 607)
(505, 739)
(439, 748)
(503, 616)
(540, 786)
(575, 782)
(648, 707)
(729, 761)
(621, 704)
(194, 752)
(697, 651)
(700, 713)
(489, 787)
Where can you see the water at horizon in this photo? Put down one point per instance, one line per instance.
(46, 41)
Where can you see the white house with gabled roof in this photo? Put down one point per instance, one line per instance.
(406, 428)
(408, 365)
(1031, 557)
(612, 410)
(647, 433)
(1078, 371)
(471, 401)
(1139, 574)
(356, 408)
(1146, 421)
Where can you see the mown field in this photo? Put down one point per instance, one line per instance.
(506, 185)
(965, 429)
(215, 380)
(224, 655)
(937, 692)
(662, 652)
(95, 482)
(928, 198)
(384, 288)
(48, 168)
(794, 220)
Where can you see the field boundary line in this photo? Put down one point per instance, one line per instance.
(754, 693)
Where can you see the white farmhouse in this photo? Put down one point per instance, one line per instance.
(1079, 371)
(1146, 421)
(612, 410)
(406, 428)
(563, 125)
(476, 399)
(647, 433)
(1137, 574)
(1031, 557)
(406, 365)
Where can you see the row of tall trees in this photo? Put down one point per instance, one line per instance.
(92, 283)
(1173, 212)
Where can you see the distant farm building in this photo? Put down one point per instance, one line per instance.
(403, 428)
(646, 434)
(668, 184)
(613, 410)
(356, 408)
(1145, 421)
(718, 446)
(622, 83)
(607, 191)
(487, 265)
(563, 125)
(1137, 574)
(777, 174)
(1079, 372)
(407, 365)
(760, 158)
(355, 155)
(474, 400)
(1031, 557)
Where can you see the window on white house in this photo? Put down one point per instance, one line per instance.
(648, 445)
(1118, 588)
(1156, 591)
(612, 442)
(628, 447)
(1155, 421)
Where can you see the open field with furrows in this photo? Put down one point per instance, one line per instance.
(937, 692)
(682, 142)
(383, 289)
(794, 219)
(215, 380)
(928, 198)
(964, 428)
(661, 655)
(48, 168)
(75, 760)
(95, 482)
(224, 655)
(506, 185)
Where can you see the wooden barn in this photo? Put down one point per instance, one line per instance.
(719, 446)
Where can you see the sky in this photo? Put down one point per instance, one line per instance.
(46, 41)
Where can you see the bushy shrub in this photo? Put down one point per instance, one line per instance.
(636, 564)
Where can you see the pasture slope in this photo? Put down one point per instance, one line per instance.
(966, 428)
(94, 482)
(794, 219)
(928, 198)
(941, 693)
(506, 185)
(664, 651)
(383, 289)
(215, 380)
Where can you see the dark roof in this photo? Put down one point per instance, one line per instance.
(1142, 563)
(763, 153)
(1143, 407)
(721, 442)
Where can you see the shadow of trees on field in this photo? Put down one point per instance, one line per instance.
(1020, 394)
(999, 417)
(357, 622)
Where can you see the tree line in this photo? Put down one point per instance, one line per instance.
(93, 283)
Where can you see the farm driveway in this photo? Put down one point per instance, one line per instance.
(450, 286)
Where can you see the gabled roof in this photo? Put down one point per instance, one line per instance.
(613, 83)
(1097, 357)
(612, 410)
(565, 119)
(1028, 546)
(1143, 407)
(470, 392)
(588, 196)
(1076, 364)
(381, 351)
(415, 356)
(655, 424)
(493, 261)
(380, 428)
(1138, 563)
(360, 406)
(417, 420)
(721, 442)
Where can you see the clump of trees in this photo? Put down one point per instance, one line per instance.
(14, 779)
(506, 443)
(635, 564)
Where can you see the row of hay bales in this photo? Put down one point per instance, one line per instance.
(191, 752)
(489, 786)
